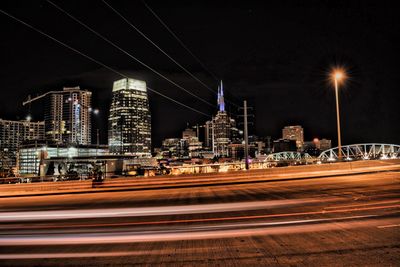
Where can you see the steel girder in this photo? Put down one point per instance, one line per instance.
(362, 152)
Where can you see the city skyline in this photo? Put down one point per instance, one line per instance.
(368, 99)
(129, 111)
(199, 133)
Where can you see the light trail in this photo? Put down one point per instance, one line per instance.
(233, 218)
(389, 226)
(202, 232)
(363, 204)
(14, 256)
(365, 208)
(150, 211)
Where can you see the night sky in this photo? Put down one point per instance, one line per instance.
(275, 56)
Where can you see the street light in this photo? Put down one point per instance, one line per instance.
(338, 75)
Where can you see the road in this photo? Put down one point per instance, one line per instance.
(333, 220)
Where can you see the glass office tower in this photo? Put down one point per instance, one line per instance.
(129, 122)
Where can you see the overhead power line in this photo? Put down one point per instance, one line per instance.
(96, 61)
(59, 42)
(184, 46)
(158, 47)
(129, 54)
(180, 41)
(176, 101)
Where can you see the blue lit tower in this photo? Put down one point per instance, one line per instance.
(221, 102)
(219, 131)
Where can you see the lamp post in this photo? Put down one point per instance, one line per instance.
(338, 76)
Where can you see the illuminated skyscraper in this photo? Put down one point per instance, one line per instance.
(67, 116)
(221, 129)
(129, 123)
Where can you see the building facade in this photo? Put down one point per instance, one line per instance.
(311, 148)
(188, 133)
(325, 144)
(170, 147)
(68, 116)
(236, 151)
(31, 155)
(129, 122)
(316, 146)
(283, 145)
(295, 133)
(13, 134)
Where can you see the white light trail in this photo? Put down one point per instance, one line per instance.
(202, 232)
(150, 211)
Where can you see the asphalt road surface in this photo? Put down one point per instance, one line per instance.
(338, 220)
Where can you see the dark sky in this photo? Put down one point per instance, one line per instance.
(275, 56)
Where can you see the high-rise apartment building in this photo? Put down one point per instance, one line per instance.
(129, 122)
(295, 133)
(68, 116)
(13, 133)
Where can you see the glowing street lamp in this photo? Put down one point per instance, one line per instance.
(338, 75)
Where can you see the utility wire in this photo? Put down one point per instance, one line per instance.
(158, 47)
(96, 61)
(183, 45)
(59, 42)
(179, 40)
(176, 101)
(128, 54)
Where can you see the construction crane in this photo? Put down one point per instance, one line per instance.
(30, 99)
(69, 100)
